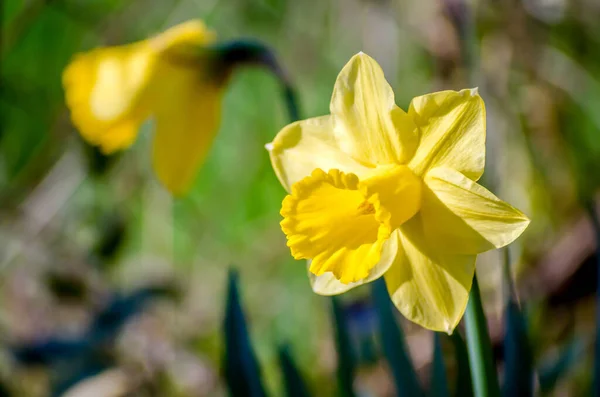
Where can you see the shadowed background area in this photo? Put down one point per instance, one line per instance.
(104, 277)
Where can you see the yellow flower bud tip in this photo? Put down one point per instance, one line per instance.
(400, 198)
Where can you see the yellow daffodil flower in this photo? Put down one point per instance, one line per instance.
(377, 191)
(112, 91)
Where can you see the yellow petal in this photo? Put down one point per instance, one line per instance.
(464, 217)
(186, 105)
(428, 286)
(185, 38)
(187, 112)
(305, 145)
(326, 284)
(104, 89)
(325, 220)
(452, 132)
(368, 124)
(108, 90)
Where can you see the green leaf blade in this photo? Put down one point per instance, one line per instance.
(394, 345)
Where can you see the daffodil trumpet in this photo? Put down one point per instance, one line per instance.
(376, 191)
(176, 79)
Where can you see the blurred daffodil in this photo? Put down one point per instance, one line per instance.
(377, 191)
(111, 91)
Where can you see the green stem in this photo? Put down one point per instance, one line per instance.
(483, 369)
(291, 101)
(236, 53)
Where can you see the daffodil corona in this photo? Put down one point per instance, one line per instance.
(111, 91)
(377, 191)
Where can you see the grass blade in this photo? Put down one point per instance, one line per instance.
(293, 382)
(518, 360)
(518, 357)
(483, 369)
(550, 373)
(439, 381)
(241, 369)
(464, 383)
(393, 344)
(346, 357)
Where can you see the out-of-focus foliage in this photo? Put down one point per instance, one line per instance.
(464, 383)
(78, 229)
(292, 379)
(346, 356)
(518, 359)
(241, 370)
(393, 344)
(438, 386)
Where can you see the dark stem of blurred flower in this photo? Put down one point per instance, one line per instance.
(593, 214)
(291, 102)
(233, 54)
(483, 369)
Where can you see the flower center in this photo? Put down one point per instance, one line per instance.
(341, 223)
(365, 208)
(394, 193)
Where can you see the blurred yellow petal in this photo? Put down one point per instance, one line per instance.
(302, 146)
(327, 220)
(186, 105)
(368, 124)
(452, 132)
(185, 38)
(104, 89)
(464, 217)
(428, 286)
(327, 284)
(187, 113)
(109, 90)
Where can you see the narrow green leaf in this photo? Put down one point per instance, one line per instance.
(518, 357)
(394, 345)
(241, 369)
(518, 360)
(464, 383)
(293, 382)
(368, 354)
(439, 381)
(549, 373)
(346, 357)
(481, 360)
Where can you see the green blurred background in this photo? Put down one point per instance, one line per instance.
(76, 227)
